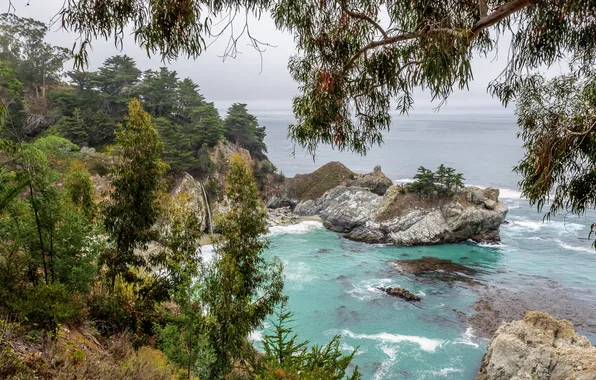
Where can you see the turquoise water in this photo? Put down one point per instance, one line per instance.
(331, 281)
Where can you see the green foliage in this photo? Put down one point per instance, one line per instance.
(136, 183)
(23, 47)
(79, 188)
(444, 182)
(12, 105)
(243, 129)
(205, 164)
(49, 305)
(73, 128)
(55, 145)
(559, 132)
(286, 357)
(241, 288)
(159, 90)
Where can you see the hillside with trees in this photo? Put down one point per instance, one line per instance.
(101, 271)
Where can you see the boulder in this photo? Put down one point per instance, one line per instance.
(491, 193)
(377, 182)
(538, 347)
(490, 204)
(474, 195)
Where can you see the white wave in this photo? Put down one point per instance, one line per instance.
(391, 352)
(535, 225)
(369, 289)
(535, 238)
(588, 249)
(492, 245)
(349, 349)
(467, 338)
(297, 274)
(510, 194)
(404, 180)
(426, 344)
(300, 228)
(445, 371)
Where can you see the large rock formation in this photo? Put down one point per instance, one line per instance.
(538, 348)
(403, 218)
(306, 187)
(187, 184)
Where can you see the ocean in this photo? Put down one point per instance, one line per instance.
(331, 282)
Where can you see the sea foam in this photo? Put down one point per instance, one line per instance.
(426, 344)
(300, 228)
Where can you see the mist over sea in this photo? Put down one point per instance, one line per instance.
(332, 282)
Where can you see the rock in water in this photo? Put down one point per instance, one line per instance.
(538, 347)
(377, 182)
(401, 293)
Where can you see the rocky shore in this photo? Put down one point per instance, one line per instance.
(369, 208)
(538, 347)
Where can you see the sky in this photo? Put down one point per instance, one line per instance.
(243, 79)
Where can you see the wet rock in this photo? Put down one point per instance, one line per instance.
(401, 293)
(429, 264)
(437, 269)
(538, 347)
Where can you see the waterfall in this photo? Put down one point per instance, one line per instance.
(207, 207)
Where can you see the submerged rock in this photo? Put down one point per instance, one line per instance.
(401, 293)
(444, 270)
(538, 347)
(514, 297)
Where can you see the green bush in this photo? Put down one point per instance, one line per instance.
(55, 145)
(47, 306)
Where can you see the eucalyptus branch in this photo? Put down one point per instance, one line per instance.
(364, 17)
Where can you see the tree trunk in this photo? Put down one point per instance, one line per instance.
(37, 221)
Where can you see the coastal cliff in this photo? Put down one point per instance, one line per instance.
(538, 347)
(369, 208)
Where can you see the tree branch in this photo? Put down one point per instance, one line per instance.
(482, 8)
(499, 14)
(364, 17)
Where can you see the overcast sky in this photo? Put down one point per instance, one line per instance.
(241, 79)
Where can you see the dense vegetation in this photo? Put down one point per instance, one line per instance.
(86, 107)
(119, 261)
(444, 182)
(357, 58)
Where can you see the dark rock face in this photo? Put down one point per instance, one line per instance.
(401, 293)
(538, 347)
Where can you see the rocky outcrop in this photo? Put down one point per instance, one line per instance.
(310, 187)
(403, 218)
(538, 347)
(377, 182)
(187, 184)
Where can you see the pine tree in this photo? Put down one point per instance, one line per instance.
(241, 288)
(136, 182)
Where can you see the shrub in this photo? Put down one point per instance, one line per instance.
(55, 145)
(49, 305)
